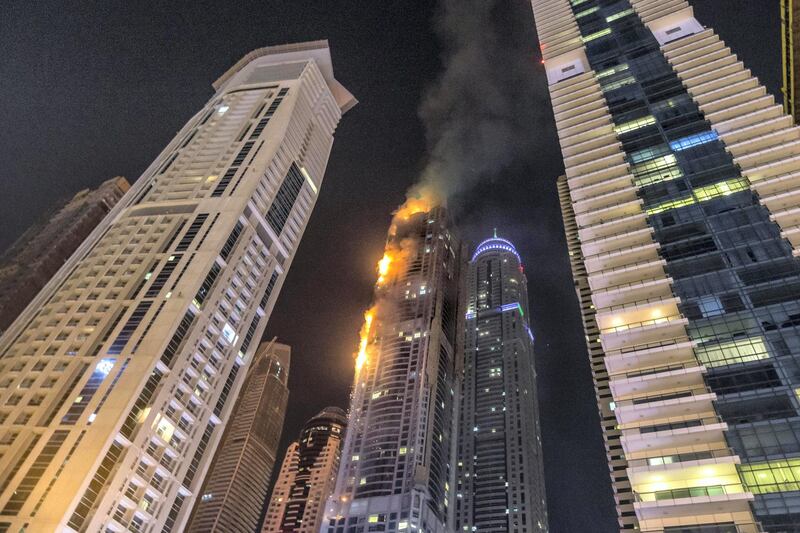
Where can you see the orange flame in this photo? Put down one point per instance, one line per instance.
(383, 267)
(419, 199)
(361, 358)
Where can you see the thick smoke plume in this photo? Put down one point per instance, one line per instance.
(479, 117)
(482, 114)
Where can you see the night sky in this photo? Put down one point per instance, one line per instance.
(94, 89)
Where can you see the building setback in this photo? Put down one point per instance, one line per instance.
(236, 485)
(118, 380)
(38, 254)
(681, 191)
(397, 471)
(500, 478)
(307, 475)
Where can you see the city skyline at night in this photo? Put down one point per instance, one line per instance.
(474, 108)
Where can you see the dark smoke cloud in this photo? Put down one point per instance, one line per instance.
(484, 112)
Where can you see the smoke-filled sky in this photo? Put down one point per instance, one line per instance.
(96, 88)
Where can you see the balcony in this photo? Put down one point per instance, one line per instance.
(624, 195)
(613, 227)
(678, 350)
(640, 410)
(709, 431)
(636, 291)
(645, 332)
(622, 257)
(715, 499)
(660, 379)
(647, 269)
(628, 317)
(623, 208)
(598, 176)
(618, 241)
(596, 189)
(717, 471)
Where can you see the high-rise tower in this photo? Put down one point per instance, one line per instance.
(118, 379)
(307, 476)
(500, 478)
(396, 472)
(235, 488)
(682, 183)
(39, 252)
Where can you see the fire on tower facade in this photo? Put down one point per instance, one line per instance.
(397, 471)
(680, 202)
(118, 380)
(500, 477)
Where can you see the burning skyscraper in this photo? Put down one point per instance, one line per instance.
(396, 472)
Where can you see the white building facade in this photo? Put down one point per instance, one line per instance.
(118, 379)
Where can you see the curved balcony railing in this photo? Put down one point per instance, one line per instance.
(657, 370)
(650, 398)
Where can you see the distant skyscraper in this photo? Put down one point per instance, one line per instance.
(397, 472)
(500, 473)
(790, 53)
(307, 476)
(116, 384)
(235, 488)
(37, 255)
(680, 203)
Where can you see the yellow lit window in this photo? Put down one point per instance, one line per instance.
(596, 35)
(616, 16)
(586, 12)
(728, 353)
(649, 120)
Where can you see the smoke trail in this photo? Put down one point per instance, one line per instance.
(483, 112)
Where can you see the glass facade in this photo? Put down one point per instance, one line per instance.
(736, 277)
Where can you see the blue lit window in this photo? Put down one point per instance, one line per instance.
(694, 140)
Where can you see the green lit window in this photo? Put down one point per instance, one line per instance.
(771, 476)
(702, 194)
(642, 122)
(578, 2)
(657, 170)
(616, 16)
(596, 35)
(613, 70)
(627, 80)
(587, 12)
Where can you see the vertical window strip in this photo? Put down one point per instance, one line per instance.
(233, 238)
(207, 285)
(55, 477)
(163, 276)
(281, 207)
(34, 473)
(191, 233)
(54, 409)
(226, 389)
(96, 485)
(137, 412)
(18, 464)
(268, 291)
(178, 338)
(198, 455)
(130, 326)
(101, 370)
